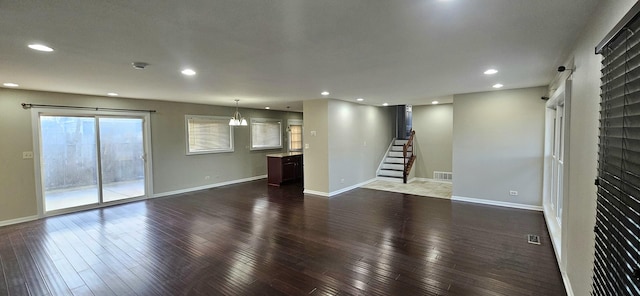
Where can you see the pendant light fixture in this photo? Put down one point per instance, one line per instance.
(237, 119)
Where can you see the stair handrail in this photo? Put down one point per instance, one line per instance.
(408, 164)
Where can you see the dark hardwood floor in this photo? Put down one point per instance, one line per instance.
(254, 239)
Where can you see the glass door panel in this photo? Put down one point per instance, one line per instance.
(122, 158)
(69, 161)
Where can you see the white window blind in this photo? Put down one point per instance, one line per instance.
(266, 134)
(295, 134)
(208, 134)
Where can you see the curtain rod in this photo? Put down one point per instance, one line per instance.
(29, 106)
(628, 18)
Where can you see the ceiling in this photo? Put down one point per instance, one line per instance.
(281, 52)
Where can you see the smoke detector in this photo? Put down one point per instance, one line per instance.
(139, 65)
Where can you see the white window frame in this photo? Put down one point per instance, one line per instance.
(265, 120)
(291, 122)
(223, 119)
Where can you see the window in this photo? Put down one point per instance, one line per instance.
(266, 134)
(295, 135)
(208, 134)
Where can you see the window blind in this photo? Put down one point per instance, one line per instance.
(295, 142)
(208, 134)
(617, 230)
(266, 134)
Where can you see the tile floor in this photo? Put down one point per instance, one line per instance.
(422, 188)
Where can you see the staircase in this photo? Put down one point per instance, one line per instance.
(393, 164)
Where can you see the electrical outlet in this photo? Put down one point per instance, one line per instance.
(342, 181)
(207, 177)
(306, 146)
(27, 154)
(513, 193)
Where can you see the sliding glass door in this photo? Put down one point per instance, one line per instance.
(121, 158)
(88, 160)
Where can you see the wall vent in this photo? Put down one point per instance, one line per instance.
(533, 239)
(443, 176)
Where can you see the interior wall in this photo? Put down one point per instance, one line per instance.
(173, 170)
(583, 135)
(434, 139)
(316, 143)
(498, 141)
(359, 136)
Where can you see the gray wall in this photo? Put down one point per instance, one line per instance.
(434, 136)
(359, 136)
(498, 141)
(316, 156)
(583, 136)
(349, 144)
(173, 170)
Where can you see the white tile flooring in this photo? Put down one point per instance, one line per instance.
(422, 188)
(86, 195)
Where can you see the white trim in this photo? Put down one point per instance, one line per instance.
(554, 234)
(567, 284)
(552, 229)
(497, 203)
(209, 186)
(339, 191)
(343, 190)
(19, 220)
(318, 193)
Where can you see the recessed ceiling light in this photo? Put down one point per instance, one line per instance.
(10, 84)
(491, 71)
(112, 94)
(435, 102)
(385, 104)
(267, 108)
(497, 85)
(188, 72)
(359, 99)
(325, 93)
(40, 47)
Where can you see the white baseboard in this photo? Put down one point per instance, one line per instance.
(343, 190)
(318, 193)
(209, 186)
(497, 203)
(18, 220)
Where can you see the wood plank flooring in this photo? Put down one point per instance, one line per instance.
(254, 239)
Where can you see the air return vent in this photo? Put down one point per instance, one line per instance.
(442, 176)
(533, 239)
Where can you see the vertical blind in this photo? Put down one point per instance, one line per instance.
(617, 230)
